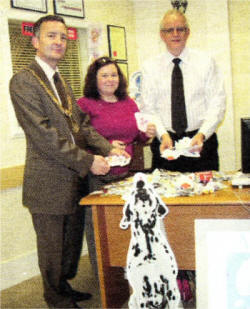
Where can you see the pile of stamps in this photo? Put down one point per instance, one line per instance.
(171, 184)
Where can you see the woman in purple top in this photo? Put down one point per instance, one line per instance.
(111, 112)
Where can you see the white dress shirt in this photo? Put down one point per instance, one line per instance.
(203, 89)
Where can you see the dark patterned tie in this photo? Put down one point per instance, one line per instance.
(179, 117)
(60, 89)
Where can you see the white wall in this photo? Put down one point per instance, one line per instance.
(240, 46)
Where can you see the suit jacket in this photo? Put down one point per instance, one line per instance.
(53, 162)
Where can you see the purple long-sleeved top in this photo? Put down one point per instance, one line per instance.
(114, 121)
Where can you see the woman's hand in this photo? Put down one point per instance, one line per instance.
(119, 144)
(119, 152)
(151, 130)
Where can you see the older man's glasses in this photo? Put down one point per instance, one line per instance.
(179, 30)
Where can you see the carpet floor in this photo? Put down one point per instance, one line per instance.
(29, 293)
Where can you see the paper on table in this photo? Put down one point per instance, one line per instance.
(169, 184)
(182, 148)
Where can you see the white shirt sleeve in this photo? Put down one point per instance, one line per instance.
(149, 98)
(215, 99)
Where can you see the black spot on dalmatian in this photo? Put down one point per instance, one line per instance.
(140, 184)
(161, 209)
(128, 213)
(147, 287)
(166, 249)
(136, 249)
(142, 193)
(169, 294)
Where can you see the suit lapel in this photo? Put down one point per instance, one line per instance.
(41, 77)
(40, 72)
(69, 114)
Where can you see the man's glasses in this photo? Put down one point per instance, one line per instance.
(179, 30)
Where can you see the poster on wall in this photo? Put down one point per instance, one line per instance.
(94, 41)
(117, 42)
(32, 5)
(73, 8)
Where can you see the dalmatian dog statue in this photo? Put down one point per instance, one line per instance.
(151, 265)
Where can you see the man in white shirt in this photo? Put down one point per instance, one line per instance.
(204, 98)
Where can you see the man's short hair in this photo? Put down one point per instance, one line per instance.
(176, 13)
(38, 23)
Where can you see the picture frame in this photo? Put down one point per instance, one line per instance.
(117, 42)
(72, 8)
(31, 5)
(124, 68)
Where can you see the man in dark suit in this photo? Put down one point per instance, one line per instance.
(58, 135)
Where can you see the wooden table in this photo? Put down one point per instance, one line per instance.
(112, 242)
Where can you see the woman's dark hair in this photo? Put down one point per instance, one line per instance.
(90, 89)
(38, 23)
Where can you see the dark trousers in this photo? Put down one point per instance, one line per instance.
(208, 160)
(59, 244)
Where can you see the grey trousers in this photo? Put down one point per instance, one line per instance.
(59, 244)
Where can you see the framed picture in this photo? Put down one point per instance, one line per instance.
(32, 5)
(124, 68)
(73, 8)
(117, 42)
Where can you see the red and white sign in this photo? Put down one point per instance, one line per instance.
(27, 28)
(72, 34)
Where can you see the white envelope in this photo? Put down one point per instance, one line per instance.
(118, 160)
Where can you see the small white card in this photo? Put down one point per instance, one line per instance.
(117, 160)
